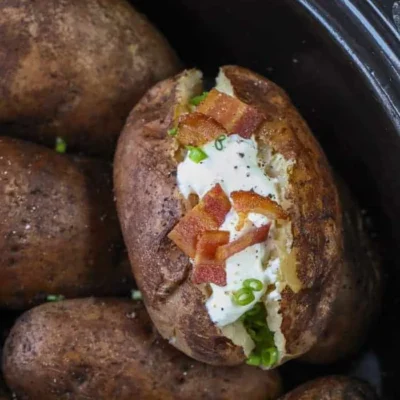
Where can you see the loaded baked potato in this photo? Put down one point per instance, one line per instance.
(234, 224)
(107, 349)
(74, 69)
(59, 233)
(332, 388)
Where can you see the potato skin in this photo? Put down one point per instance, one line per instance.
(75, 68)
(108, 349)
(162, 271)
(332, 388)
(59, 231)
(359, 299)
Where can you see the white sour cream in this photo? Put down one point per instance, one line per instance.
(235, 168)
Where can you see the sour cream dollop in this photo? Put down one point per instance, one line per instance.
(235, 167)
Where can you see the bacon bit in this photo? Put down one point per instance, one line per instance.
(210, 273)
(208, 215)
(242, 217)
(208, 244)
(231, 113)
(216, 204)
(206, 268)
(257, 235)
(196, 129)
(247, 202)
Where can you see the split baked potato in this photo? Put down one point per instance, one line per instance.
(107, 349)
(235, 227)
(59, 233)
(332, 388)
(74, 69)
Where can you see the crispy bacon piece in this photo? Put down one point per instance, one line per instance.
(209, 214)
(231, 113)
(257, 235)
(206, 268)
(247, 202)
(196, 129)
(210, 273)
(208, 244)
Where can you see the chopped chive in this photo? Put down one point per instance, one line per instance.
(195, 101)
(243, 297)
(173, 131)
(259, 323)
(257, 309)
(254, 359)
(253, 284)
(219, 142)
(61, 145)
(136, 294)
(196, 154)
(269, 356)
(55, 297)
(265, 352)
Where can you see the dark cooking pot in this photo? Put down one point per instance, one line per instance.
(339, 61)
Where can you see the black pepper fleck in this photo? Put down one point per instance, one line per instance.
(248, 174)
(236, 167)
(241, 155)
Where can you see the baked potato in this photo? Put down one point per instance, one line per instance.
(59, 233)
(74, 69)
(208, 182)
(332, 388)
(107, 349)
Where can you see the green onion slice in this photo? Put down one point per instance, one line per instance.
(254, 359)
(253, 284)
(55, 297)
(173, 131)
(269, 356)
(219, 142)
(195, 101)
(256, 310)
(196, 154)
(61, 145)
(243, 297)
(136, 294)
